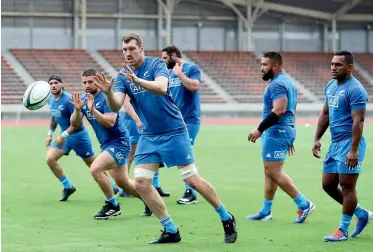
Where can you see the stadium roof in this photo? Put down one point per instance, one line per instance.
(340, 10)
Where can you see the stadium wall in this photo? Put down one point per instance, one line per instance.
(272, 31)
(19, 112)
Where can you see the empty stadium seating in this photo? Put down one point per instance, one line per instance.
(313, 71)
(115, 58)
(12, 87)
(365, 60)
(68, 63)
(237, 72)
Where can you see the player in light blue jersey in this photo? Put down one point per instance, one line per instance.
(278, 129)
(70, 138)
(164, 138)
(344, 112)
(184, 81)
(134, 126)
(114, 142)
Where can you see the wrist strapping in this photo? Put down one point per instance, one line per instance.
(50, 133)
(268, 122)
(65, 134)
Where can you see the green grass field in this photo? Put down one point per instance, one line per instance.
(34, 220)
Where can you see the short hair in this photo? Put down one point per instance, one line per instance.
(275, 56)
(172, 49)
(348, 56)
(89, 72)
(133, 36)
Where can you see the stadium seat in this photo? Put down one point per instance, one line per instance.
(68, 63)
(12, 87)
(313, 71)
(237, 72)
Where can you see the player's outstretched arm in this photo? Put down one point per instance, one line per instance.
(114, 100)
(107, 119)
(52, 127)
(131, 111)
(158, 86)
(192, 82)
(76, 118)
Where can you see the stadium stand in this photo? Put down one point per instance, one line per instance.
(12, 87)
(365, 60)
(237, 72)
(68, 63)
(313, 71)
(115, 58)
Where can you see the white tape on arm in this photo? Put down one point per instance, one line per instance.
(65, 134)
(50, 133)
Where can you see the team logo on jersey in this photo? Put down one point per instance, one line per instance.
(174, 82)
(333, 101)
(136, 89)
(146, 75)
(90, 116)
(97, 104)
(56, 113)
(342, 92)
(60, 107)
(279, 154)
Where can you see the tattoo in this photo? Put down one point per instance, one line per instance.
(53, 124)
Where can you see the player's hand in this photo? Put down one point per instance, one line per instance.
(48, 141)
(291, 150)
(77, 102)
(130, 75)
(103, 83)
(139, 125)
(316, 149)
(254, 135)
(59, 141)
(178, 69)
(352, 159)
(90, 102)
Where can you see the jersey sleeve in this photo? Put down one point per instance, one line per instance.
(120, 83)
(358, 98)
(160, 69)
(107, 109)
(277, 91)
(70, 107)
(195, 73)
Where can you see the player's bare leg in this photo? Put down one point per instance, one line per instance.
(330, 183)
(190, 175)
(144, 174)
(53, 155)
(120, 175)
(98, 170)
(274, 171)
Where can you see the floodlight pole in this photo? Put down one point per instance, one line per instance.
(84, 24)
(334, 35)
(76, 24)
(325, 38)
(167, 9)
(118, 25)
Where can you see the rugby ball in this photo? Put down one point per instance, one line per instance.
(36, 95)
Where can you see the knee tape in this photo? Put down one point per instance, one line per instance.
(144, 173)
(188, 171)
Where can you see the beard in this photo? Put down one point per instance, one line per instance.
(93, 91)
(268, 75)
(171, 64)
